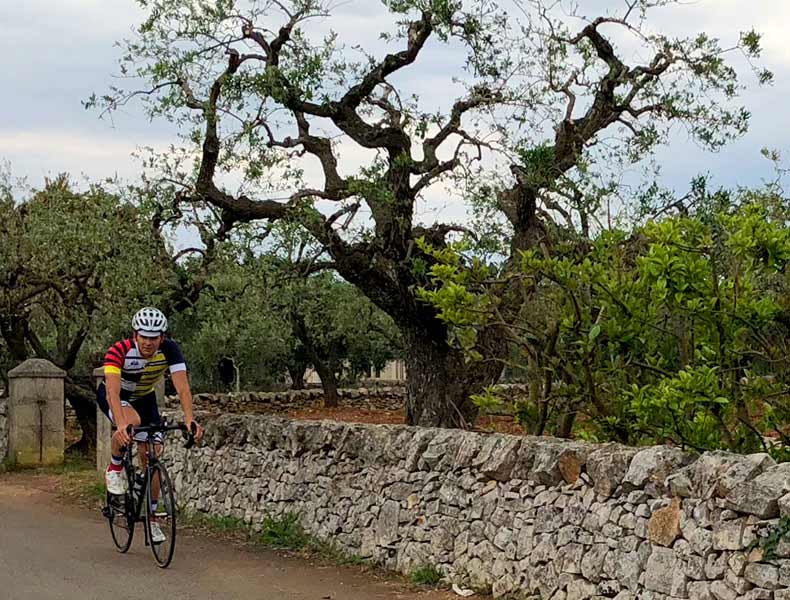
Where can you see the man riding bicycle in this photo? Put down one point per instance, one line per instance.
(132, 368)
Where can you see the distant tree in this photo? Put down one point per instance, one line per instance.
(270, 314)
(337, 328)
(234, 321)
(74, 266)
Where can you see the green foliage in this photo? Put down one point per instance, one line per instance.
(213, 523)
(266, 312)
(674, 332)
(427, 575)
(285, 531)
(235, 319)
(539, 164)
(330, 551)
(74, 264)
(776, 534)
(605, 92)
(460, 306)
(489, 401)
(684, 407)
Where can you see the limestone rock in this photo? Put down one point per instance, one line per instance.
(784, 505)
(721, 591)
(502, 458)
(556, 460)
(660, 570)
(650, 467)
(728, 535)
(699, 590)
(663, 528)
(758, 594)
(580, 589)
(762, 575)
(761, 495)
(608, 465)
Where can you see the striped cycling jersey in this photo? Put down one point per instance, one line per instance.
(139, 375)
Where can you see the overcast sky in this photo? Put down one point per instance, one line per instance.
(55, 53)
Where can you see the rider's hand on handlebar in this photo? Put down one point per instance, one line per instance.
(122, 434)
(195, 430)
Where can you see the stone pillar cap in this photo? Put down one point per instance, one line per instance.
(37, 368)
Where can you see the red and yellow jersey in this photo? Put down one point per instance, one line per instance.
(139, 375)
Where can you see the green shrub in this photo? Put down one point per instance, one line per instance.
(284, 532)
(427, 575)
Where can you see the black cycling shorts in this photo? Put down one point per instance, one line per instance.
(145, 407)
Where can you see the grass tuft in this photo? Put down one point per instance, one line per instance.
(284, 532)
(213, 523)
(427, 575)
(329, 551)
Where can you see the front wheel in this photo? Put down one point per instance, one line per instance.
(162, 516)
(119, 513)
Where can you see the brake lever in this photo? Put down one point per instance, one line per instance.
(189, 436)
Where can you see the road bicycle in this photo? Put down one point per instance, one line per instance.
(124, 511)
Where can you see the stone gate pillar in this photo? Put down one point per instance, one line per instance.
(35, 413)
(103, 429)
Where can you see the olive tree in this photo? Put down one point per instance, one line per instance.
(74, 266)
(537, 97)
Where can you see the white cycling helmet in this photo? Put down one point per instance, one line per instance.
(149, 321)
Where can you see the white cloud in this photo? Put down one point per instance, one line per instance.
(38, 154)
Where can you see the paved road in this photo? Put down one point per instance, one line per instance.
(49, 551)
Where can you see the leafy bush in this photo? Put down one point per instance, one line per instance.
(675, 332)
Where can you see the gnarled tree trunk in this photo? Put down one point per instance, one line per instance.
(328, 383)
(323, 365)
(297, 365)
(296, 372)
(440, 382)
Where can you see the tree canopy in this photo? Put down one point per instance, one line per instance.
(77, 260)
(546, 104)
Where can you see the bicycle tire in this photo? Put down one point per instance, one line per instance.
(165, 515)
(121, 522)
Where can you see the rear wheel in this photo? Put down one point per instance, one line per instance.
(119, 514)
(164, 516)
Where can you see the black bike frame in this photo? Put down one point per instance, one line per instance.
(131, 474)
(152, 460)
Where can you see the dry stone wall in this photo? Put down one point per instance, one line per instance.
(386, 398)
(523, 517)
(383, 397)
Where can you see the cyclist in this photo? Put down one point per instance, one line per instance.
(132, 367)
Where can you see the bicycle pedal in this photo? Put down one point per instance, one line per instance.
(106, 512)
